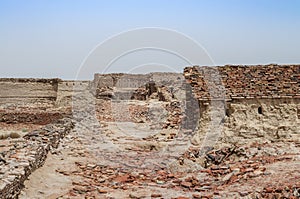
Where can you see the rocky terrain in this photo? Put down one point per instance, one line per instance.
(160, 135)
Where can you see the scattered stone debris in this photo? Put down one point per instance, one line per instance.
(22, 155)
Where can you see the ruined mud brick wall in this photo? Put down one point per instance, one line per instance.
(240, 82)
(29, 117)
(125, 84)
(122, 84)
(28, 100)
(164, 87)
(20, 157)
(38, 101)
(261, 101)
(67, 89)
(24, 92)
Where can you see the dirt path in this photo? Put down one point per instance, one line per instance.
(48, 181)
(116, 145)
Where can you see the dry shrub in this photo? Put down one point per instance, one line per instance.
(3, 136)
(14, 135)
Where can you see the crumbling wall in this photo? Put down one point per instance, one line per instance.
(248, 120)
(162, 94)
(28, 92)
(260, 103)
(67, 89)
(30, 117)
(245, 82)
(26, 100)
(262, 119)
(123, 86)
(118, 85)
(37, 101)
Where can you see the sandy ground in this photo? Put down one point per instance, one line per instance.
(130, 160)
(119, 160)
(47, 181)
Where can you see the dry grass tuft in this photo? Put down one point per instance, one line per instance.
(12, 135)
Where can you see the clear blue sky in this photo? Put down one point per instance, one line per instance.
(51, 38)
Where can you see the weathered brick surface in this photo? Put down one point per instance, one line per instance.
(259, 81)
(40, 118)
(28, 91)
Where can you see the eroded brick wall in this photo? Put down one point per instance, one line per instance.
(67, 89)
(257, 102)
(22, 92)
(245, 82)
(37, 101)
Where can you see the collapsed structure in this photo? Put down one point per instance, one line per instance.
(259, 101)
(210, 107)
